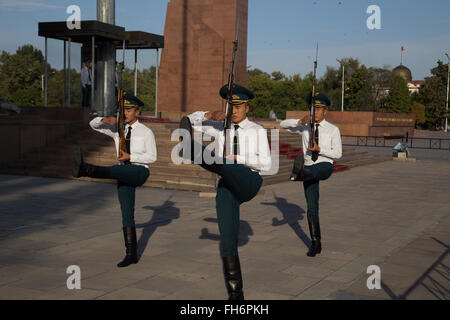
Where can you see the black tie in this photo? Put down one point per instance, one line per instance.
(235, 140)
(127, 142)
(315, 154)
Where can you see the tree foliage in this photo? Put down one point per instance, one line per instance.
(399, 98)
(21, 81)
(20, 76)
(365, 88)
(418, 110)
(432, 95)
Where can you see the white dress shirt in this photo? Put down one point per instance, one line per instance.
(330, 143)
(142, 143)
(254, 151)
(85, 76)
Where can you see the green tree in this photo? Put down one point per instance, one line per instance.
(146, 85)
(262, 86)
(364, 88)
(20, 76)
(380, 79)
(21, 81)
(360, 95)
(277, 92)
(257, 72)
(399, 98)
(56, 91)
(278, 76)
(432, 94)
(418, 110)
(332, 86)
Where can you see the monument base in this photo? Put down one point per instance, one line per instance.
(360, 123)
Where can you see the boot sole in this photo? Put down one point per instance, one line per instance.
(313, 255)
(123, 266)
(126, 265)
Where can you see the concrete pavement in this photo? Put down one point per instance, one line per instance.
(394, 215)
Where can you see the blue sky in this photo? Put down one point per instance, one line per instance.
(282, 34)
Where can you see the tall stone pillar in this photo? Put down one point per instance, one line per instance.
(195, 61)
(105, 98)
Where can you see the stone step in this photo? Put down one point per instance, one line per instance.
(106, 157)
(164, 166)
(67, 151)
(155, 180)
(56, 160)
(160, 169)
(161, 185)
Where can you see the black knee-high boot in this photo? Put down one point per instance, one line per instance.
(299, 173)
(83, 169)
(298, 168)
(129, 234)
(233, 277)
(185, 123)
(316, 246)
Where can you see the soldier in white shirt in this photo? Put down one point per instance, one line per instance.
(315, 163)
(132, 170)
(86, 83)
(240, 169)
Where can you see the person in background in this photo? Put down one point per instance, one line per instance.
(86, 83)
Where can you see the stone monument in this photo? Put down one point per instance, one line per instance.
(195, 61)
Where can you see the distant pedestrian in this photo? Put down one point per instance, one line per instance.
(86, 83)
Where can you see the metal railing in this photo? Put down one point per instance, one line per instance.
(391, 141)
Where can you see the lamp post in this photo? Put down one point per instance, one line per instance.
(446, 103)
(343, 68)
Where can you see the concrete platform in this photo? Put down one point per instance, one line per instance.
(393, 214)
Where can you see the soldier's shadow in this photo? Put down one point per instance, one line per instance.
(162, 216)
(292, 214)
(245, 231)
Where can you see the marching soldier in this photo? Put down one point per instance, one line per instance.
(239, 170)
(133, 168)
(316, 163)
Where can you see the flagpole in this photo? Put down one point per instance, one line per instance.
(401, 55)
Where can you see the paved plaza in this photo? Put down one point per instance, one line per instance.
(395, 215)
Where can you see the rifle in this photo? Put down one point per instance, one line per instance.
(120, 109)
(120, 121)
(313, 106)
(229, 106)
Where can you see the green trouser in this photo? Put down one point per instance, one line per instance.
(320, 171)
(128, 178)
(238, 184)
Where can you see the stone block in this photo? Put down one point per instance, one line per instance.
(199, 36)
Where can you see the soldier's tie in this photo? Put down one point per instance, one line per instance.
(127, 143)
(235, 141)
(315, 154)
